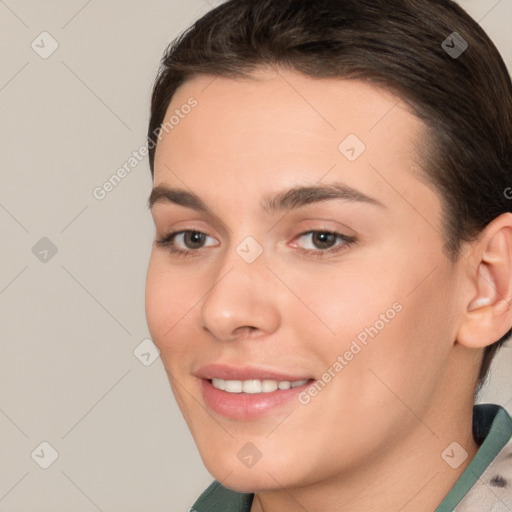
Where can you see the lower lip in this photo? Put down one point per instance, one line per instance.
(247, 406)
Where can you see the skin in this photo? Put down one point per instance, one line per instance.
(372, 438)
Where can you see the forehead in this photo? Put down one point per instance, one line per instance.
(281, 128)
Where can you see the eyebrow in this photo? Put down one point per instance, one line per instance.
(290, 199)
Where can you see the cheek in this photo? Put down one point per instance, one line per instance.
(338, 302)
(407, 358)
(395, 307)
(156, 298)
(168, 301)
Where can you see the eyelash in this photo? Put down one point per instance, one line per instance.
(167, 241)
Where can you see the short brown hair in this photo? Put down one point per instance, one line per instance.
(465, 100)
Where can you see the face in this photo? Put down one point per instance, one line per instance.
(296, 248)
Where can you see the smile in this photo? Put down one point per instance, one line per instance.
(251, 399)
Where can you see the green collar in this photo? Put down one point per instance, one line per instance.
(492, 429)
(216, 498)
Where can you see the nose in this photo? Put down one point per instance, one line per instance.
(240, 301)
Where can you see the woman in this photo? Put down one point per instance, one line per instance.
(331, 274)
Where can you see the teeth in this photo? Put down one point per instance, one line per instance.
(254, 385)
(251, 386)
(298, 383)
(219, 384)
(268, 386)
(233, 386)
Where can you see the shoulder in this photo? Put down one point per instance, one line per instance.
(493, 490)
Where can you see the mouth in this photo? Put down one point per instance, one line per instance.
(236, 403)
(249, 392)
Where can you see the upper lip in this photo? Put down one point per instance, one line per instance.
(226, 372)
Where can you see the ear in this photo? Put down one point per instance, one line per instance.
(489, 308)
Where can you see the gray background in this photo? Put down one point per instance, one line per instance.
(70, 321)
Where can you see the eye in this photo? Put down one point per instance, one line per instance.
(323, 242)
(191, 240)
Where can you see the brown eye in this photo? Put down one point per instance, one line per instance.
(323, 239)
(185, 242)
(324, 243)
(193, 239)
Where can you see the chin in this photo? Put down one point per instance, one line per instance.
(250, 483)
(242, 479)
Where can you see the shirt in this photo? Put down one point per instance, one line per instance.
(484, 486)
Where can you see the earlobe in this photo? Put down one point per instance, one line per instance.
(489, 313)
